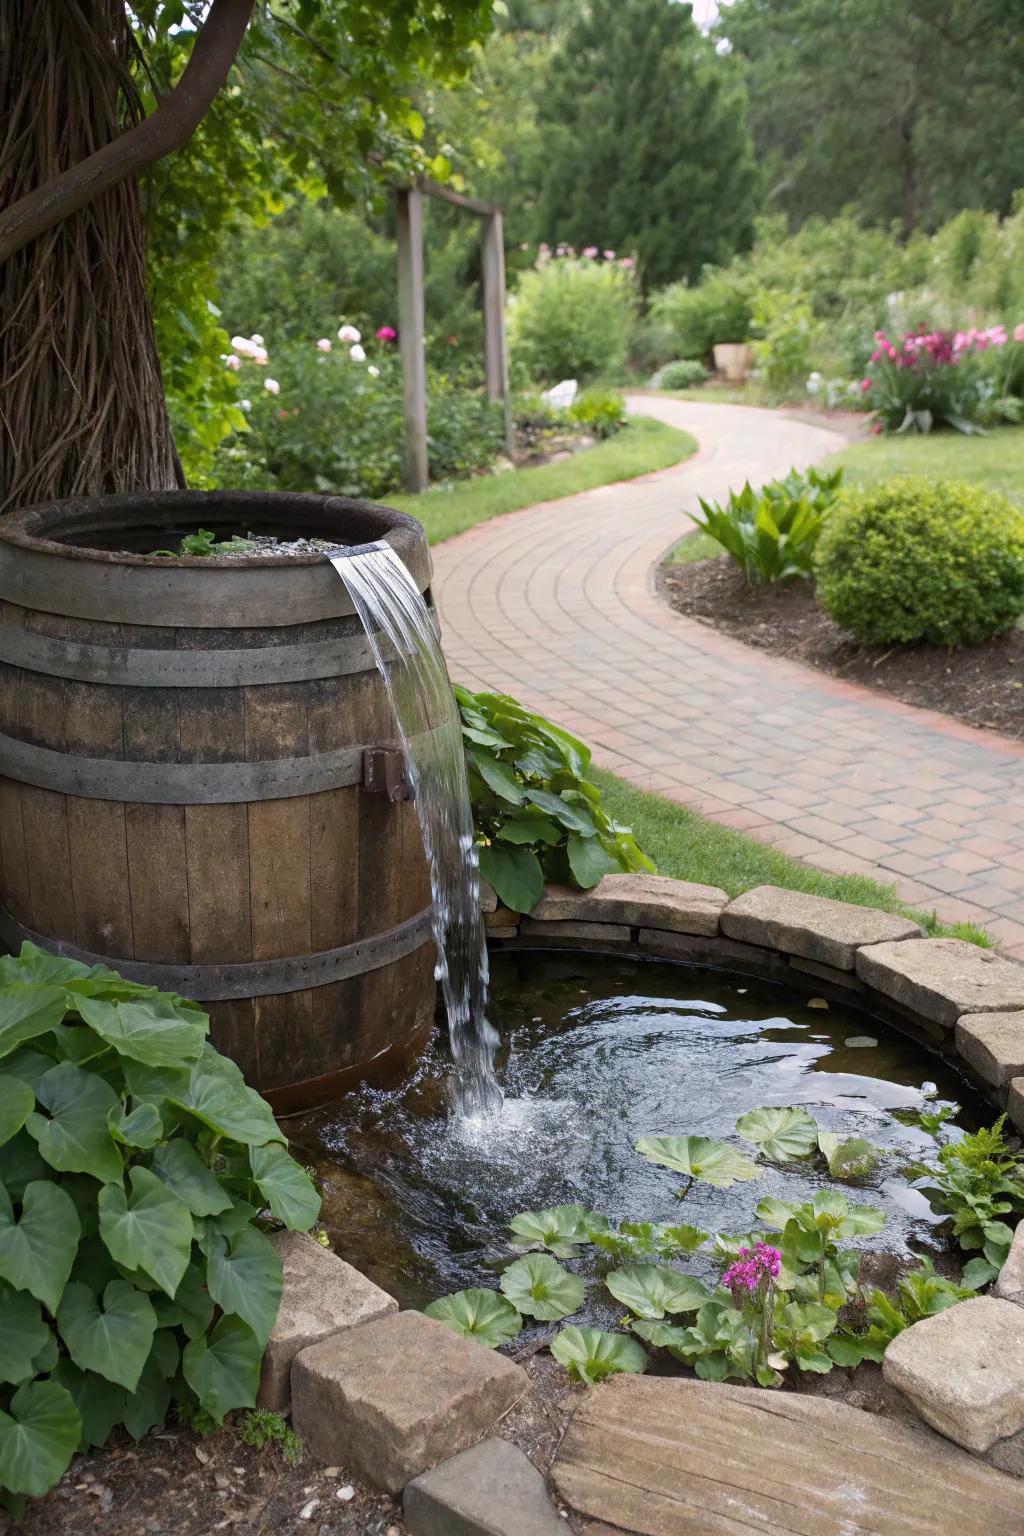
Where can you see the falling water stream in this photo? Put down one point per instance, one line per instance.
(401, 631)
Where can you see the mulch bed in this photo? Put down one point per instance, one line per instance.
(982, 685)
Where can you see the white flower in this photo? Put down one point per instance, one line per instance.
(323, 345)
(271, 386)
(256, 338)
(244, 346)
(233, 362)
(374, 372)
(261, 357)
(357, 354)
(349, 333)
(245, 405)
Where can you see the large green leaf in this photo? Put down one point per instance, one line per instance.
(589, 860)
(17, 1101)
(497, 777)
(27, 1011)
(38, 1437)
(852, 1158)
(478, 1314)
(574, 817)
(153, 1031)
(140, 1127)
(515, 874)
(223, 1369)
(652, 1290)
(179, 1166)
(699, 1157)
(560, 1229)
(113, 1339)
(218, 1096)
(23, 1335)
(76, 1138)
(101, 1404)
(781, 1134)
(192, 1307)
(20, 1164)
(661, 1335)
(245, 1276)
(287, 1188)
(590, 1355)
(38, 1249)
(150, 1229)
(538, 1286)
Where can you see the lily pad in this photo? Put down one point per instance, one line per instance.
(538, 1286)
(652, 1290)
(561, 1229)
(589, 1355)
(699, 1157)
(849, 1159)
(784, 1135)
(479, 1314)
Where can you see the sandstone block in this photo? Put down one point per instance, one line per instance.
(942, 979)
(993, 1044)
(491, 1490)
(814, 927)
(640, 901)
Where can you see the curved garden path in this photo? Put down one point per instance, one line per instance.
(557, 605)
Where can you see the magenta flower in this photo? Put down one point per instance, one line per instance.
(865, 385)
(387, 333)
(627, 262)
(1018, 333)
(751, 1268)
(590, 251)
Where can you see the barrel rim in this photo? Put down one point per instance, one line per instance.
(28, 527)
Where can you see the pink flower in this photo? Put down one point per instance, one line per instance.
(590, 251)
(996, 334)
(233, 362)
(609, 255)
(350, 334)
(750, 1269)
(387, 333)
(877, 429)
(323, 345)
(865, 385)
(1018, 333)
(627, 262)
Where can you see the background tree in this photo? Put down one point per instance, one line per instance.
(318, 89)
(645, 141)
(903, 110)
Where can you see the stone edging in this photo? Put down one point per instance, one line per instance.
(965, 1002)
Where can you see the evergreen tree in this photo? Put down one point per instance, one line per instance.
(646, 148)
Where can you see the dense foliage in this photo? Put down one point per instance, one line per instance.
(931, 379)
(772, 534)
(134, 1164)
(914, 559)
(570, 317)
(978, 1181)
(684, 373)
(538, 818)
(645, 140)
(772, 1301)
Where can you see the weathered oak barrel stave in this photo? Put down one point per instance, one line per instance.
(181, 778)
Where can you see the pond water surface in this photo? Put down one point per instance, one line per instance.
(596, 1052)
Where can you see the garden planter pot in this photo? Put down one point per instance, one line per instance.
(734, 360)
(182, 751)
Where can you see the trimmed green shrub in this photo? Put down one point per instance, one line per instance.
(601, 412)
(571, 319)
(684, 373)
(915, 559)
(718, 309)
(134, 1168)
(537, 816)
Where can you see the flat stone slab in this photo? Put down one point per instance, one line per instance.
(963, 1371)
(1010, 1281)
(393, 1398)
(321, 1296)
(664, 1456)
(598, 933)
(1015, 1102)
(491, 1490)
(942, 979)
(640, 901)
(993, 1044)
(813, 927)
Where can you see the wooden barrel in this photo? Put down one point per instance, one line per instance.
(182, 756)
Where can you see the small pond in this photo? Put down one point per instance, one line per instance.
(595, 1053)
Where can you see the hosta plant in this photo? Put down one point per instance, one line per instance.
(135, 1168)
(537, 815)
(772, 533)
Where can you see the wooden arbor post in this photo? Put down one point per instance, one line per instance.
(411, 316)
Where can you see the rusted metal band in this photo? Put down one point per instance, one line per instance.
(255, 978)
(147, 783)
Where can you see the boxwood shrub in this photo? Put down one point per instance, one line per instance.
(914, 559)
(136, 1172)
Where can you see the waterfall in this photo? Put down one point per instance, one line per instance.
(400, 629)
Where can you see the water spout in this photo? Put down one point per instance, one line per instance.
(401, 631)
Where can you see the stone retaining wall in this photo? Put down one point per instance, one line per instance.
(965, 1002)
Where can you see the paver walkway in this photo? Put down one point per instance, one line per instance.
(557, 605)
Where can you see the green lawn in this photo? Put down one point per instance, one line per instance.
(996, 460)
(642, 446)
(689, 847)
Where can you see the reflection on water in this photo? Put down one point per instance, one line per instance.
(595, 1053)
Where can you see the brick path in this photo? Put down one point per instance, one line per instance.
(556, 605)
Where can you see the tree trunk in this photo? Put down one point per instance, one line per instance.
(82, 408)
